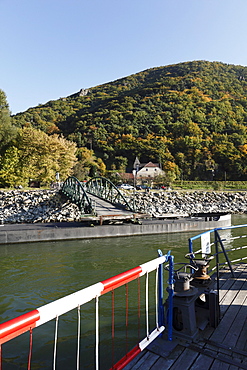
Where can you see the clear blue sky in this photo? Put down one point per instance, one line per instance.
(53, 48)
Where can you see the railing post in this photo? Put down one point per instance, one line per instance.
(161, 317)
(170, 297)
(190, 246)
(224, 251)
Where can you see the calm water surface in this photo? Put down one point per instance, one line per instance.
(34, 274)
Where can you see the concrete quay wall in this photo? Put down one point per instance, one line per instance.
(27, 233)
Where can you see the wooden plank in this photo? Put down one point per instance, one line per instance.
(219, 365)
(230, 295)
(143, 362)
(226, 322)
(202, 361)
(162, 364)
(232, 336)
(150, 360)
(221, 357)
(226, 281)
(245, 361)
(135, 360)
(185, 360)
(230, 328)
(240, 367)
(146, 361)
(220, 346)
(222, 329)
(162, 347)
(242, 339)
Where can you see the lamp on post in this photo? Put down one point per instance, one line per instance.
(134, 174)
(57, 179)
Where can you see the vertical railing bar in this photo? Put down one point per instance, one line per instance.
(126, 317)
(78, 336)
(113, 325)
(156, 297)
(1, 357)
(190, 246)
(30, 349)
(225, 253)
(55, 344)
(147, 308)
(161, 290)
(97, 333)
(170, 298)
(139, 308)
(217, 261)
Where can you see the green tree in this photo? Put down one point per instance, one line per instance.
(121, 163)
(88, 164)
(7, 130)
(9, 170)
(65, 154)
(41, 156)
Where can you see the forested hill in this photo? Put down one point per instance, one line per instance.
(191, 117)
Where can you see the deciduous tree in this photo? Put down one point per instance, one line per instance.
(7, 130)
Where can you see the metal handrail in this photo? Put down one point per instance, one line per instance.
(218, 243)
(73, 190)
(53, 310)
(103, 188)
(100, 187)
(218, 240)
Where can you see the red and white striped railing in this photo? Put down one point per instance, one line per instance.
(50, 311)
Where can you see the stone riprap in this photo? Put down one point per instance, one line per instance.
(187, 203)
(36, 206)
(48, 206)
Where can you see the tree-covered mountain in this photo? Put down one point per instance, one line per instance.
(190, 117)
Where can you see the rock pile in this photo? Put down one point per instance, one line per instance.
(48, 206)
(160, 203)
(36, 206)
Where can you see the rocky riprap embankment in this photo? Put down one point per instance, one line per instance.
(162, 202)
(36, 206)
(48, 206)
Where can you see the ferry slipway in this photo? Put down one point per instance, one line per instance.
(24, 233)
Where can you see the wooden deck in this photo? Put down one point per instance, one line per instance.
(224, 347)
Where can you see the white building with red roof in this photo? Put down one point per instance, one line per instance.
(149, 171)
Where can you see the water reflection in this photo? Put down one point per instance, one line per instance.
(37, 273)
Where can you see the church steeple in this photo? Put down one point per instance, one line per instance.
(136, 164)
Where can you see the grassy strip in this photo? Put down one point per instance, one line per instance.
(210, 185)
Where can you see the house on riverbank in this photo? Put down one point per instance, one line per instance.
(149, 171)
(143, 173)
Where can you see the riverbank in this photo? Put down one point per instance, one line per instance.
(191, 203)
(47, 206)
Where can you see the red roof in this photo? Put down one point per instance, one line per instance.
(127, 176)
(151, 164)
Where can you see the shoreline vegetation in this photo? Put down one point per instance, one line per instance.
(182, 185)
(210, 185)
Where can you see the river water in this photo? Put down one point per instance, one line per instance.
(35, 274)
